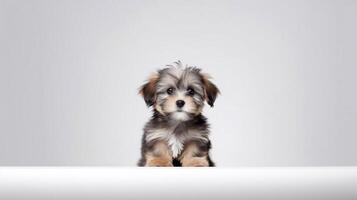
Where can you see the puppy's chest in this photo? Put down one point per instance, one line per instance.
(176, 144)
(175, 139)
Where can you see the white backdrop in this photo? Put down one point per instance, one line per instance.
(70, 70)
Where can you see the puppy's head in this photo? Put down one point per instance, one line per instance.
(179, 92)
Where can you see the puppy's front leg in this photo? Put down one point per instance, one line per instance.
(159, 156)
(193, 156)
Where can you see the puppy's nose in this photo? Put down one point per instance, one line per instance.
(180, 103)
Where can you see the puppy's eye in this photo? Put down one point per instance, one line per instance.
(190, 91)
(170, 91)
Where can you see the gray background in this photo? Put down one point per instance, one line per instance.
(70, 70)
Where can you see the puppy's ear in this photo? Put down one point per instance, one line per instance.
(148, 90)
(211, 90)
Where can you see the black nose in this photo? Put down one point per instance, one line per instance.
(180, 103)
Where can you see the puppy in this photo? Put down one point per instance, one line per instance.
(177, 134)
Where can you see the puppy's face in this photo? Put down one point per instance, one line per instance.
(179, 93)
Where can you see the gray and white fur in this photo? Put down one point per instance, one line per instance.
(177, 133)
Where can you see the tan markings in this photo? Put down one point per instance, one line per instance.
(189, 159)
(196, 162)
(211, 90)
(160, 156)
(159, 109)
(170, 104)
(148, 90)
(199, 110)
(190, 106)
(150, 85)
(158, 162)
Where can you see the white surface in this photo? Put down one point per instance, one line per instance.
(70, 71)
(103, 183)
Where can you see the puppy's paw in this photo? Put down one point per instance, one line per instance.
(196, 162)
(159, 162)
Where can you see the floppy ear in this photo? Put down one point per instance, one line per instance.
(148, 90)
(211, 90)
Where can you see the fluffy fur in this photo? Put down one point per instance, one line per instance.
(177, 133)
